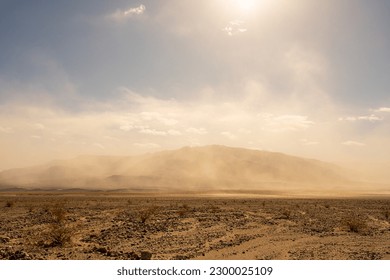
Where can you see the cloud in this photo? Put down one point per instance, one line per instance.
(371, 118)
(383, 109)
(244, 131)
(122, 15)
(145, 118)
(234, 27)
(38, 126)
(199, 131)
(98, 145)
(146, 130)
(127, 127)
(155, 116)
(150, 122)
(145, 104)
(280, 123)
(352, 143)
(150, 131)
(307, 142)
(349, 119)
(147, 146)
(229, 135)
(174, 132)
(135, 11)
(4, 129)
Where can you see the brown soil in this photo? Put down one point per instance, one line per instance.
(109, 226)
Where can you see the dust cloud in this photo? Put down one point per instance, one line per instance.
(193, 169)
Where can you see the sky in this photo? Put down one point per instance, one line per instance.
(307, 78)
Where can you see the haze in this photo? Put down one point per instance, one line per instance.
(303, 77)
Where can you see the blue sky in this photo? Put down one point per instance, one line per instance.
(302, 77)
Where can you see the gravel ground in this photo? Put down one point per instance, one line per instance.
(123, 226)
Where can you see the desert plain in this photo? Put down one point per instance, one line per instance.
(116, 226)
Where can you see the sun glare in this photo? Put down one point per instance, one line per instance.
(245, 6)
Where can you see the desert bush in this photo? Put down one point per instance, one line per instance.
(59, 232)
(30, 209)
(9, 204)
(58, 214)
(214, 208)
(285, 214)
(356, 224)
(145, 214)
(386, 213)
(183, 210)
(182, 213)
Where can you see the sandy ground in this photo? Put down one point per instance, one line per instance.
(123, 226)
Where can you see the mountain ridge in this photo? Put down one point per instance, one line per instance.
(187, 168)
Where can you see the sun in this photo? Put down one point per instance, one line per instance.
(245, 6)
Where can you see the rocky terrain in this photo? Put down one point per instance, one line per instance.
(125, 226)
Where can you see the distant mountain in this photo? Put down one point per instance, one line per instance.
(186, 169)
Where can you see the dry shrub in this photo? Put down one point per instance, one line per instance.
(183, 210)
(214, 208)
(58, 214)
(9, 204)
(356, 224)
(285, 214)
(60, 232)
(182, 213)
(30, 209)
(386, 213)
(145, 214)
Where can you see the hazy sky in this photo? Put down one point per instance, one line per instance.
(303, 77)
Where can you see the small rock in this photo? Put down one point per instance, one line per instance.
(145, 255)
(19, 255)
(4, 239)
(101, 250)
(131, 256)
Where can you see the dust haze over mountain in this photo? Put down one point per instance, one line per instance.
(189, 169)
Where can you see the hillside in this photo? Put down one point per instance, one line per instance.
(189, 168)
